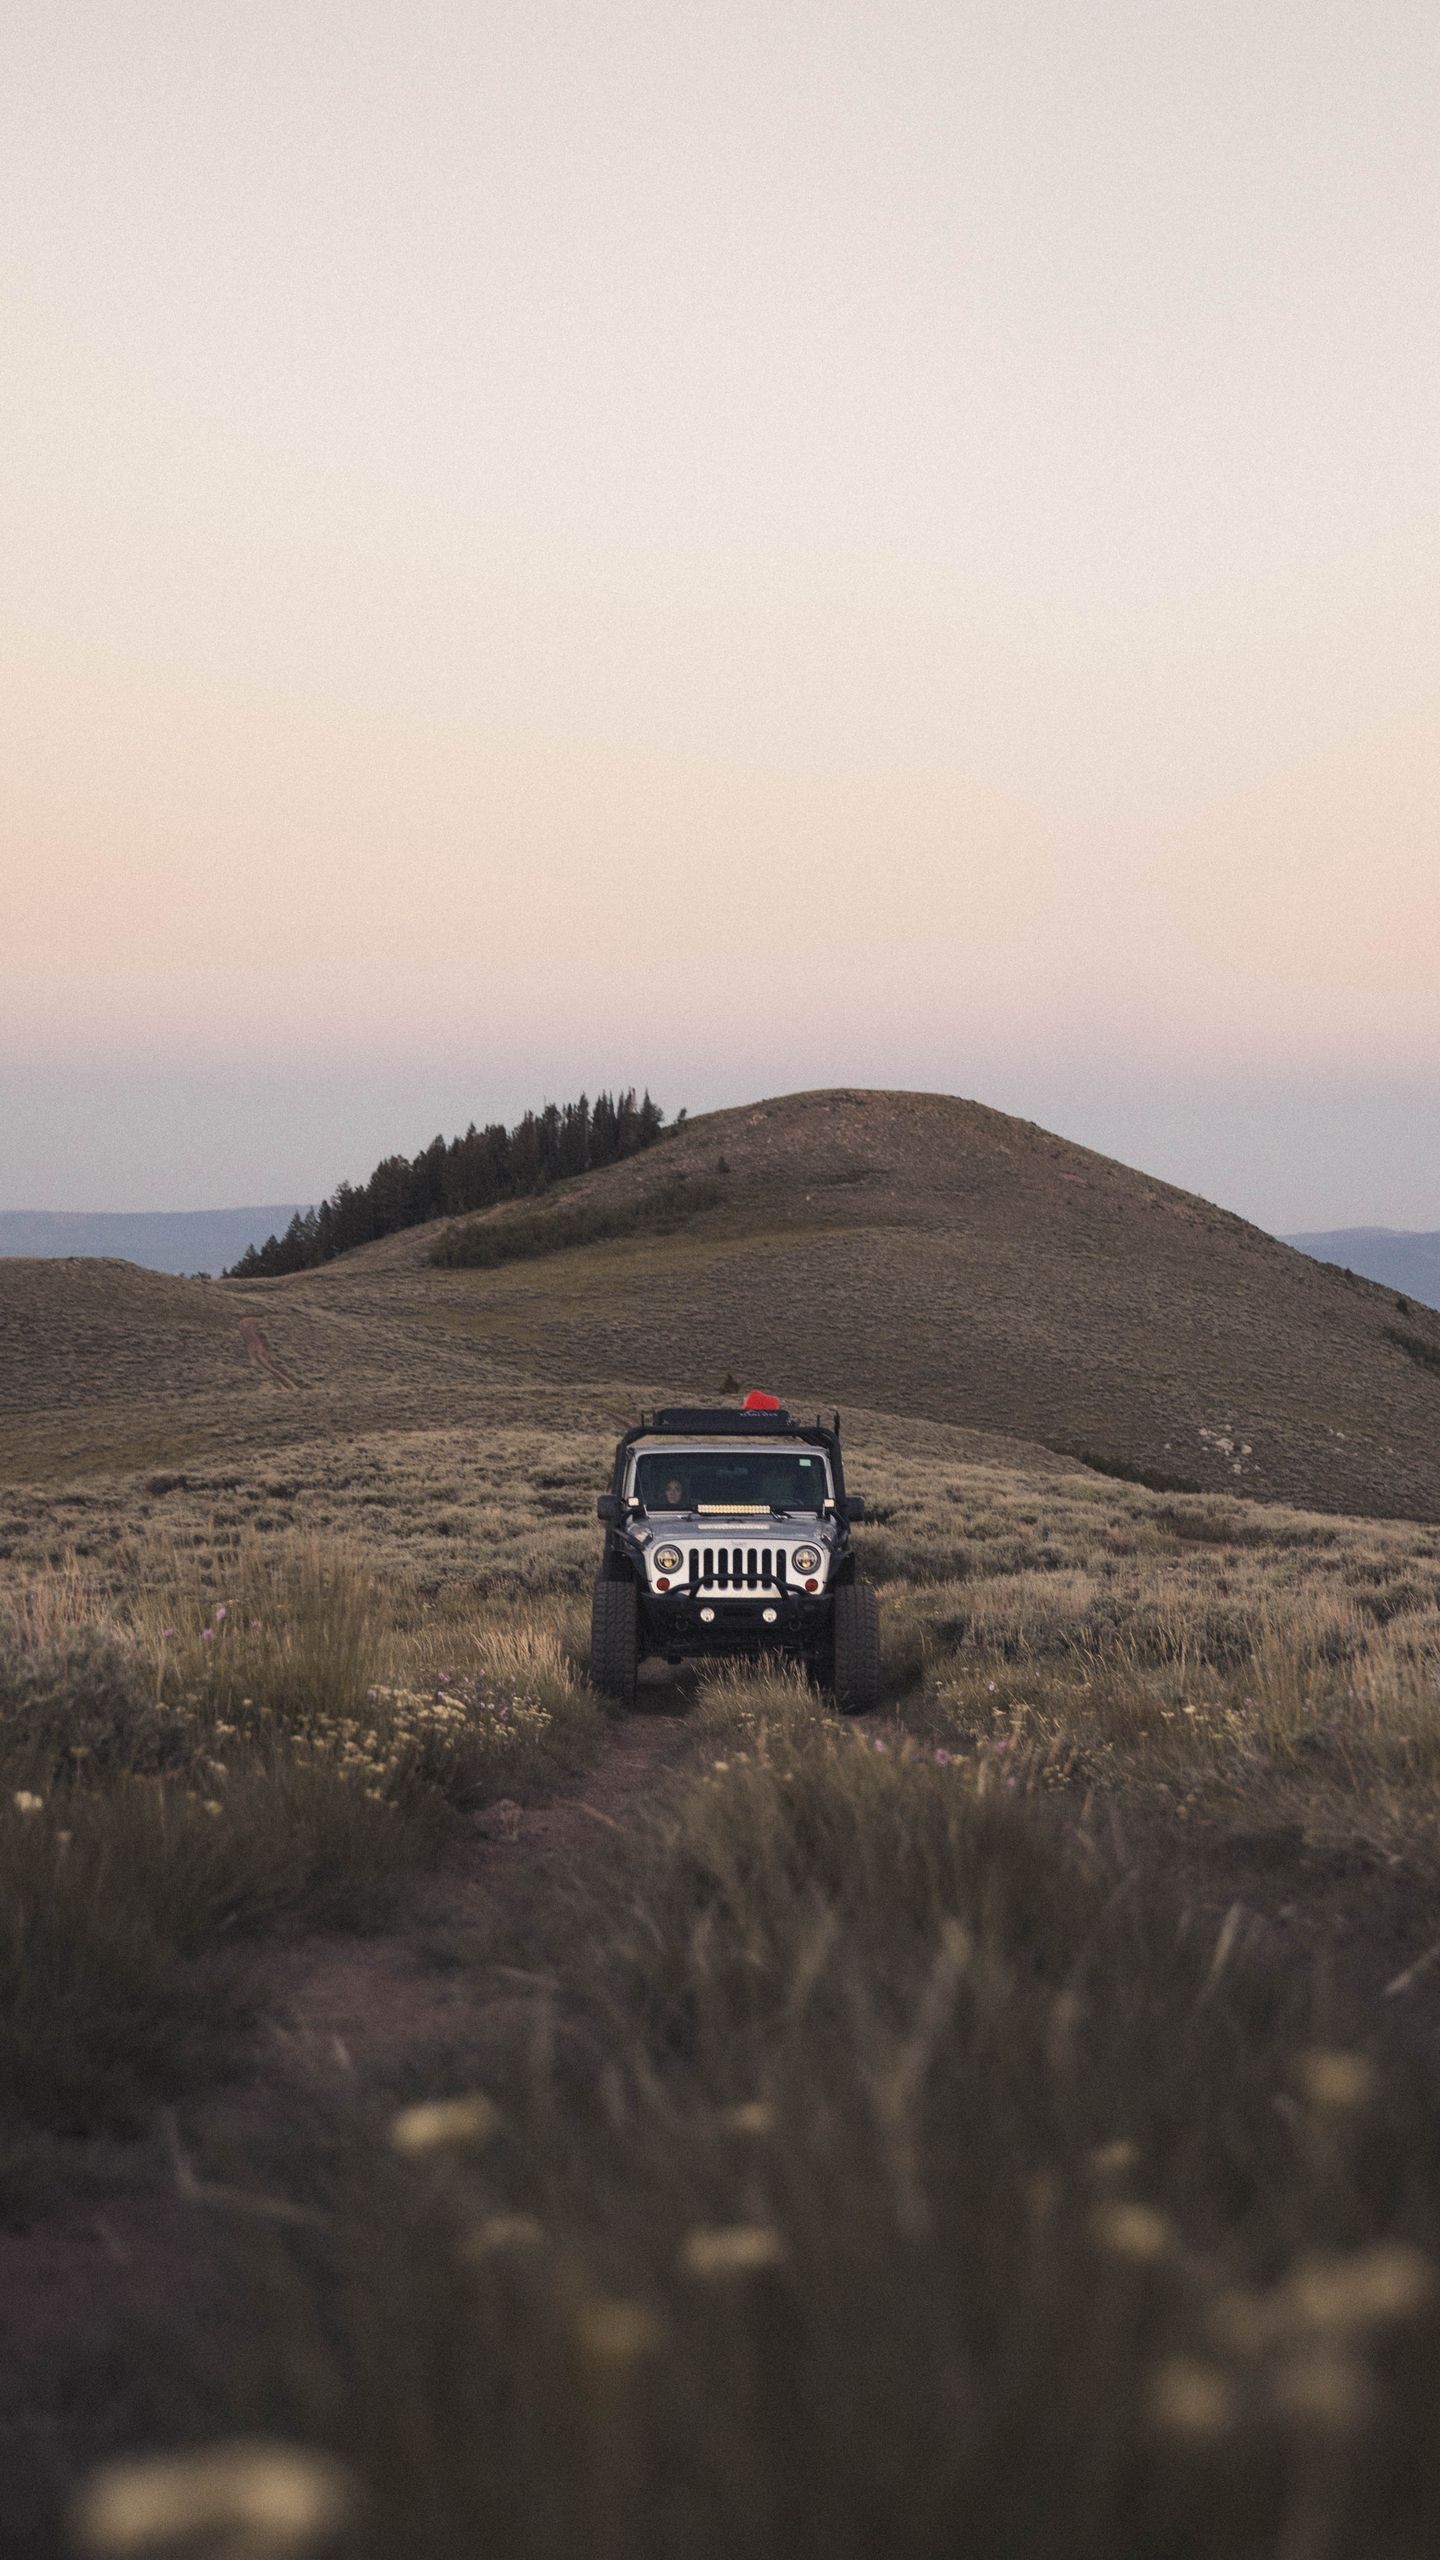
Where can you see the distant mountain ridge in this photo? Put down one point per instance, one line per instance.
(1395, 1256)
(179, 1240)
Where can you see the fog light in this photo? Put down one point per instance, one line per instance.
(812, 1586)
(708, 1616)
(769, 1616)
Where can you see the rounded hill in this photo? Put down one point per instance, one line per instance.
(917, 1253)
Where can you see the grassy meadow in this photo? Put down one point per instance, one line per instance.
(889, 2170)
(255, 1738)
(1006, 2124)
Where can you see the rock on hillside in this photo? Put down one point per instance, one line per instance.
(921, 1254)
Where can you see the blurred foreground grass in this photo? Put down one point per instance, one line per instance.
(892, 2170)
(183, 1773)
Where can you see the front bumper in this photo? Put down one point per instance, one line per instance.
(765, 1621)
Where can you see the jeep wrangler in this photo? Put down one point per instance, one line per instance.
(728, 1532)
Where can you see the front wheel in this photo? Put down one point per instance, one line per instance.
(615, 1639)
(855, 1648)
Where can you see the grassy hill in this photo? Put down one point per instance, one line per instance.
(906, 1253)
(919, 1254)
(105, 1366)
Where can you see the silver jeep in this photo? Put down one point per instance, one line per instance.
(728, 1532)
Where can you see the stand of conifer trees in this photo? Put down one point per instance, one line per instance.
(451, 1176)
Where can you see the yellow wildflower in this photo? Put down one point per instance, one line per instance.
(444, 2124)
(1190, 2399)
(1134, 2231)
(267, 2501)
(500, 2233)
(732, 2249)
(752, 2116)
(612, 2333)
(1335, 2083)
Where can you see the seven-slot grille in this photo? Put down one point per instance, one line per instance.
(737, 1568)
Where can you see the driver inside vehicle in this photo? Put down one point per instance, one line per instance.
(674, 1495)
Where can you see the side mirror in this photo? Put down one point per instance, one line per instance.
(608, 1509)
(854, 1506)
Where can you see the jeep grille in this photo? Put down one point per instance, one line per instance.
(737, 1568)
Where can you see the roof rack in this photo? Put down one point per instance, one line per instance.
(699, 1417)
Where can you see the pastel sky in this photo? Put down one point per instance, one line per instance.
(735, 544)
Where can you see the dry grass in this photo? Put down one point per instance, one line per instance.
(919, 2146)
(501, 1504)
(264, 1734)
(1171, 1642)
(896, 2173)
(105, 1369)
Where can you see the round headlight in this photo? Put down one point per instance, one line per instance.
(805, 1559)
(668, 1559)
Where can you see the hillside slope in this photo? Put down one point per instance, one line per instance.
(920, 1254)
(109, 1370)
(104, 1365)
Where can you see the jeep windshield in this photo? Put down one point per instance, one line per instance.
(729, 1481)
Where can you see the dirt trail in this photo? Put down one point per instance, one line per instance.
(367, 2005)
(262, 1355)
(355, 2007)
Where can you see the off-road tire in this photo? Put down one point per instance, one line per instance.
(615, 1639)
(854, 1649)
